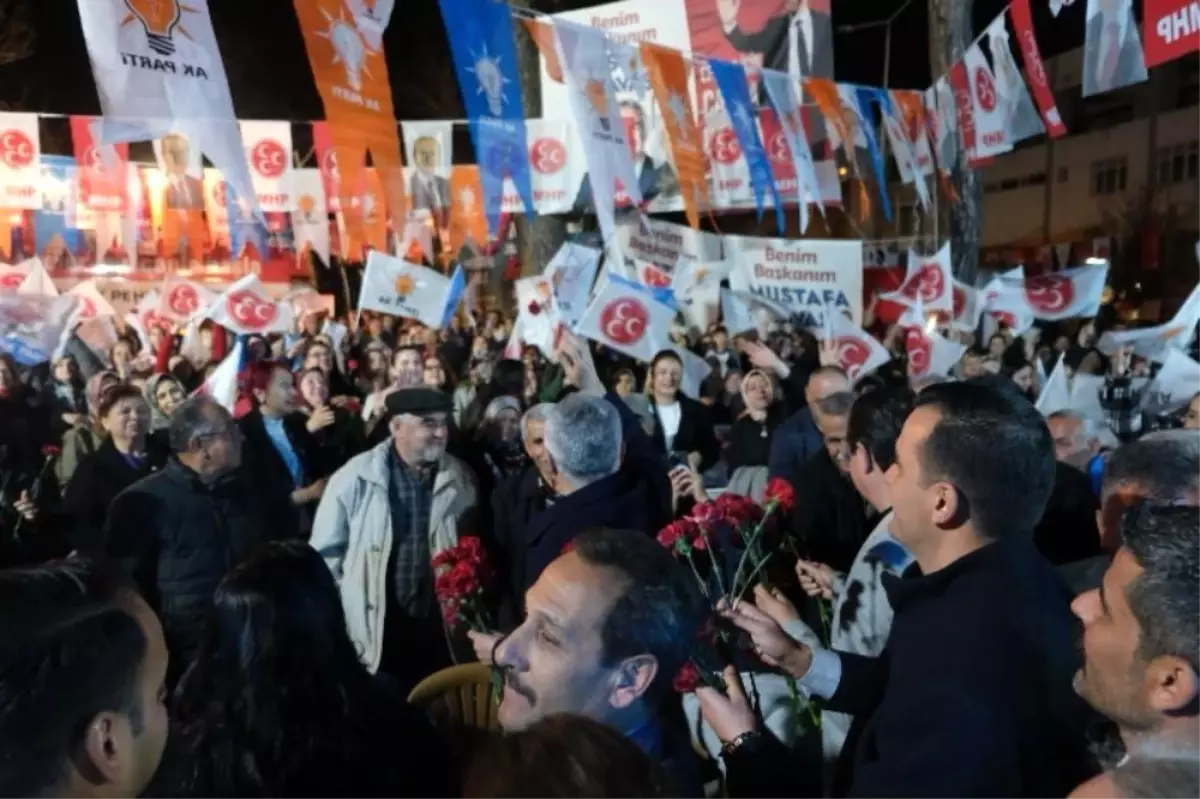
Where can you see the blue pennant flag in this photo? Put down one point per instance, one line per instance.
(454, 295)
(485, 58)
(867, 97)
(57, 214)
(731, 81)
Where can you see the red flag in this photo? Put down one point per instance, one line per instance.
(1035, 70)
(1170, 30)
(102, 180)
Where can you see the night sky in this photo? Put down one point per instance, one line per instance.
(269, 75)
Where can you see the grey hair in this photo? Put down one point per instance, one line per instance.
(583, 435)
(838, 404)
(195, 418)
(1087, 428)
(1156, 771)
(1164, 466)
(499, 404)
(537, 413)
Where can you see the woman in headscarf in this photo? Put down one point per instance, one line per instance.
(82, 440)
(65, 395)
(164, 393)
(498, 452)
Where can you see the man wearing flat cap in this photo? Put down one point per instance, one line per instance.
(383, 517)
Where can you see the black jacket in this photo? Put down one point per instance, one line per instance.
(637, 497)
(695, 432)
(1067, 531)
(97, 481)
(273, 482)
(971, 697)
(830, 519)
(515, 502)
(178, 537)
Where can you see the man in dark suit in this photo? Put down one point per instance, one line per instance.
(798, 41)
(1113, 57)
(430, 191)
(972, 694)
(183, 192)
(654, 179)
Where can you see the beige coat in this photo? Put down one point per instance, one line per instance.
(353, 532)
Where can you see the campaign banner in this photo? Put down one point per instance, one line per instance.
(20, 162)
(269, 151)
(32, 325)
(666, 244)
(1170, 29)
(310, 219)
(807, 278)
(428, 153)
(103, 169)
(792, 37)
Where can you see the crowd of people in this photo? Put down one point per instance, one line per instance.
(973, 599)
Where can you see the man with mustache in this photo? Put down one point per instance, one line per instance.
(608, 624)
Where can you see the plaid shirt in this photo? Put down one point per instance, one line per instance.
(411, 498)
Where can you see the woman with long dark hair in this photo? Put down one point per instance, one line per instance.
(277, 702)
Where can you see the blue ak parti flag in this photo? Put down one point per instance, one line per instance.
(731, 81)
(485, 59)
(867, 96)
(454, 295)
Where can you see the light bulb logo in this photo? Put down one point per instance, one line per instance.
(348, 49)
(491, 80)
(160, 19)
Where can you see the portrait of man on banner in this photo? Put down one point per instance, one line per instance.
(182, 190)
(429, 191)
(655, 178)
(793, 36)
(1112, 50)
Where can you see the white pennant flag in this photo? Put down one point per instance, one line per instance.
(182, 299)
(991, 132)
(33, 325)
(571, 273)
(20, 162)
(858, 352)
(782, 91)
(535, 301)
(92, 304)
(929, 279)
(11, 277)
(1177, 381)
(221, 386)
(695, 371)
(735, 313)
(583, 53)
(1067, 294)
(245, 308)
(1004, 301)
(310, 215)
(1055, 395)
(394, 286)
(269, 151)
(624, 318)
(967, 308)
(1022, 119)
(158, 70)
(902, 152)
(1156, 342)
(928, 352)
(37, 279)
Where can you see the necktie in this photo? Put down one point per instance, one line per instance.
(1112, 54)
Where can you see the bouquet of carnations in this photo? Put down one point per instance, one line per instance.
(462, 580)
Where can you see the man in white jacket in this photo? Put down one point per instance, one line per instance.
(383, 517)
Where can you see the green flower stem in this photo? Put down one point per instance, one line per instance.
(753, 574)
(712, 556)
(703, 585)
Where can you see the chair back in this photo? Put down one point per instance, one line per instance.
(458, 697)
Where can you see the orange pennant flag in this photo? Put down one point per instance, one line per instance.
(374, 217)
(668, 74)
(542, 34)
(352, 78)
(5, 234)
(468, 225)
(825, 94)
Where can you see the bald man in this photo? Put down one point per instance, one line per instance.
(798, 438)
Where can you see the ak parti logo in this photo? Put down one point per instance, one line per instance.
(160, 19)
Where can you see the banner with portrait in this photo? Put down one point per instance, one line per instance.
(1112, 48)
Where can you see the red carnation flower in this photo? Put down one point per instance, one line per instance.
(677, 533)
(351, 365)
(688, 679)
(51, 451)
(534, 308)
(700, 542)
(780, 491)
(707, 514)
